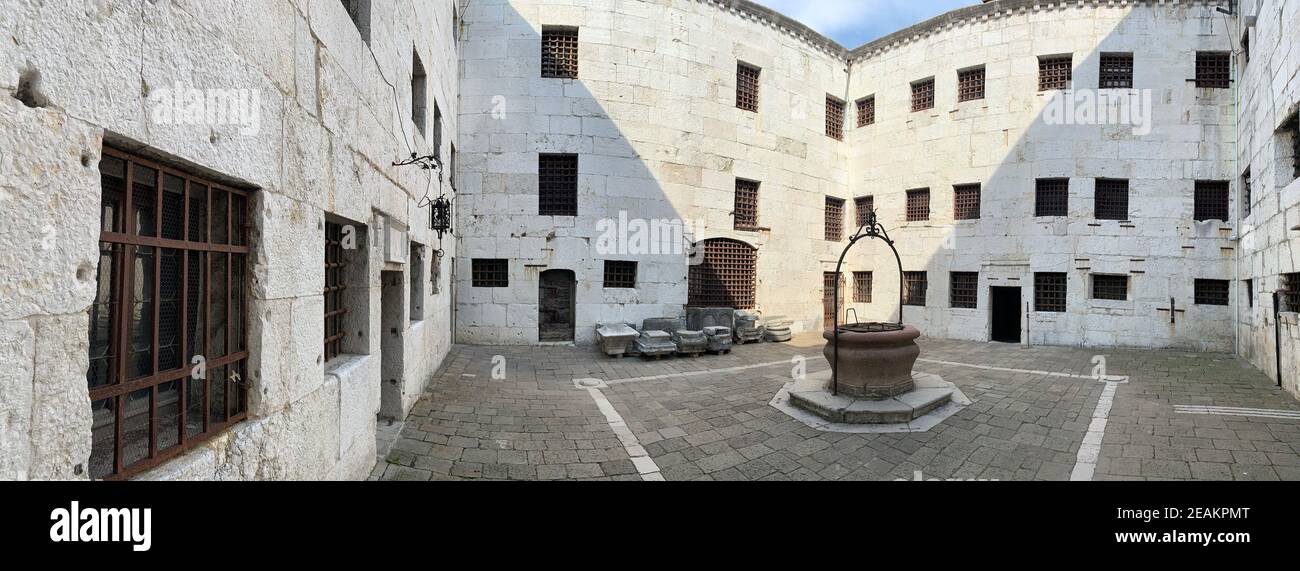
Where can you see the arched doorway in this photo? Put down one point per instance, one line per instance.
(725, 278)
(556, 306)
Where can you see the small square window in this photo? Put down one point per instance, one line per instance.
(923, 95)
(1055, 72)
(1111, 199)
(747, 87)
(1110, 287)
(490, 273)
(1211, 200)
(1211, 292)
(863, 205)
(834, 118)
(862, 287)
(557, 185)
(620, 274)
(1052, 197)
(560, 52)
(964, 292)
(834, 219)
(966, 201)
(914, 288)
(1049, 292)
(918, 204)
(1116, 71)
(746, 206)
(1291, 292)
(970, 84)
(1214, 70)
(867, 111)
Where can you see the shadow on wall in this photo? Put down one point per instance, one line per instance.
(1158, 138)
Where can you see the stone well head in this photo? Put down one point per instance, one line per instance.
(875, 359)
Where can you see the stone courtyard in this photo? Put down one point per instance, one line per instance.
(709, 418)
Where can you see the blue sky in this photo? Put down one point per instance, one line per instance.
(856, 22)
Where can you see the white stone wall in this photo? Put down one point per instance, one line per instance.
(653, 119)
(1270, 94)
(330, 127)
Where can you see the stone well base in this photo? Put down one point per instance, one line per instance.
(811, 402)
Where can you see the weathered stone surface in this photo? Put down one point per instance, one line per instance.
(17, 353)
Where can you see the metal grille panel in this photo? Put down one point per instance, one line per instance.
(1055, 72)
(918, 204)
(1214, 70)
(747, 87)
(863, 206)
(862, 287)
(1111, 199)
(1052, 197)
(335, 269)
(1116, 71)
(915, 285)
(834, 118)
(1049, 292)
(834, 219)
(725, 278)
(620, 274)
(746, 208)
(490, 273)
(964, 292)
(1211, 292)
(557, 185)
(966, 201)
(1245, 193)
(866, 111)
(1211, 200)
(970, 84)
(923, 95)
(560, 53)
(1114, 288)
(1291, 291)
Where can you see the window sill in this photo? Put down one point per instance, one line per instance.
(344, 364)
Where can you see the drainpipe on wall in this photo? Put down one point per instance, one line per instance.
(1277, 333)
(1236, 227)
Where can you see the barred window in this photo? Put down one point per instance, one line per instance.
(746, 207)
(489, 272)
(560, 52)
(725, 277)
(863, 205)
(557, 185)
(747, 87)
(1055, 72)
(416, 272)
(914, 287)
(918, 204)
(1292, 130)
(437, 130)
(1214, 70)
(1052, 197)
(970, 84)
(862, 287)
(1049, 292)
(171, 285)
(964, 293)
(1250, 293)
(419, 92)
(923, 95)
(966, 201)
(1291, 291)
(1245, 193)
(1111, 287)
(866, 111)
(1210, 200)
(1211, 292)
(1110, 201)
(335, 289)
(834, 219)
(620, 274)
(1116, 71)
(834, 118)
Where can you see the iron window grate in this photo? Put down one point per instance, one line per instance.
(862, 287)
(1049, 292)
(923, 95)
(834, 118)
(1245, 193)
(557, 185)
(866, 111)
(486, 272)
(620, 274)
(1052, 197)
(1116, 71)
(970, 84)
(1291, 291)
(964, 292)
(560, 52)
(746, 206)
(966, 201)
(335, 288)
(165, 293)
(1211, 292)
(1211, 200)
(1055, 72)
(834, 219)
(863, 205)
(1294, 129)
(918, 204)
(747, 87)
(1110, 287)
(1111, 199)
(914, 288)
(1214, 70)
(724, 277)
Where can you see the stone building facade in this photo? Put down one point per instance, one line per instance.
(245, 135)
(1074, 170)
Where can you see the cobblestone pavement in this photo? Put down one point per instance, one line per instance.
(698, 420)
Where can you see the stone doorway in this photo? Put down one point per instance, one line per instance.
(1004, 308)
(555, 305)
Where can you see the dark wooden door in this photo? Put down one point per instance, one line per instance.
(1005, 314)
(555, 321)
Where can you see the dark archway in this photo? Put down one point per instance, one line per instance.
(726, 275)
(556, 306)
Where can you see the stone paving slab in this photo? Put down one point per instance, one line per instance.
(716, 424)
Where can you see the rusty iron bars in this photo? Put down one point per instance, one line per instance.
(871, 229)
